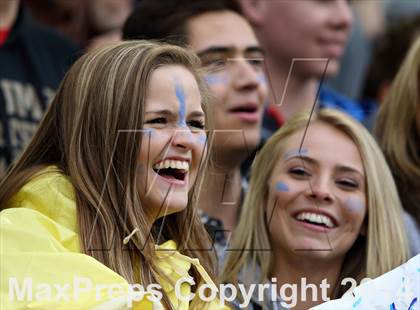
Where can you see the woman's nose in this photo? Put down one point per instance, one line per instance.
(320, 191)
(182, 138)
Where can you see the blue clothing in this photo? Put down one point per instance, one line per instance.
(329, 98)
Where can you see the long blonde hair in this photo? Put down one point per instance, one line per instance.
(385, 246)
(103, 93)
(398, 130)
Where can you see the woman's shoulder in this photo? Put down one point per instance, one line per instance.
(50, 193)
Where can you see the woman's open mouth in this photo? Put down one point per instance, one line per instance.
(316, 221)
(174, 171)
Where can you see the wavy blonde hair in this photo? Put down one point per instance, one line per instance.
(385, 245)
(103, 93)
(398, 130)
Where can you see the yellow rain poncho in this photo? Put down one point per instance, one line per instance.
(42, 267)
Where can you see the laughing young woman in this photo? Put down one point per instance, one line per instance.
(110, 173)
(327, 208)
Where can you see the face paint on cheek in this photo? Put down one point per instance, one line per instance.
(180, 95)
(354, 205)
(261, 79)
(295, 153)
(214, 79)
(282, 187)
(148, 132)
(202, 139)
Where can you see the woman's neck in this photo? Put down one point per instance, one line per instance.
(318, 276)
(220, 195)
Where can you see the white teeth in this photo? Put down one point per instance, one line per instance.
(315, 218)
(174, 164)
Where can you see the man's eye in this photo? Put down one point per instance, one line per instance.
(196, 124)
(158, 120)
(256, 62)
(299, 172)
(219, 62)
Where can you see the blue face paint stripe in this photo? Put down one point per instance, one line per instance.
(180, 95)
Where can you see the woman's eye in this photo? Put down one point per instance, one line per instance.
(299, 172)
(158, 120)
(196, 124)
(348, 184)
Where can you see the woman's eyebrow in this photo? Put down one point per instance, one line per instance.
(344, 168)
(161, 112)
(299, 155)
(169, 113)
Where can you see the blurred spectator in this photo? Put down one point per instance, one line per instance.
(388, 53)
(369, 21)
(86, 22)
(398, 131)
(33, 60)
(396, 9)
(303, 41)
(67, 17)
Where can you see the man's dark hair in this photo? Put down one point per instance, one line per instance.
(166, 20)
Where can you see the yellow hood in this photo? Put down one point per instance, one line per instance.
(42, 266)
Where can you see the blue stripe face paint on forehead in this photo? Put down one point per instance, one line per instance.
(180, 95)
(295, 153)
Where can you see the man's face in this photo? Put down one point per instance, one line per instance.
(316, 29)
(229, 49)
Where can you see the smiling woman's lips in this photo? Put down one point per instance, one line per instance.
(314, 227)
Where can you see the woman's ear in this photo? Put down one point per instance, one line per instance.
(254, 10)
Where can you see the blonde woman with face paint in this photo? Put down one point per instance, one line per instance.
(109, 175)
(322, 204)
